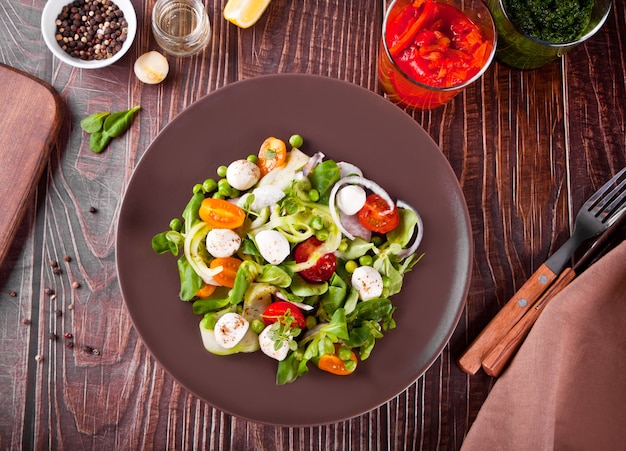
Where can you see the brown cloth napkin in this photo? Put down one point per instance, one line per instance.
(566, 387)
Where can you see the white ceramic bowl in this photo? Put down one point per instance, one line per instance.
(48, 28)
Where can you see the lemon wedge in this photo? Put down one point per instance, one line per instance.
(245, 13)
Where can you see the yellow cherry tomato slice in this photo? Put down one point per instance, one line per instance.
(221, 214)
(205, 291)
(227, 276)
(272, 155)
(332, 363)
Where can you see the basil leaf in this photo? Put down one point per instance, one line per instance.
(94, 122)
(191, 214)
(116, 124)
(98, 141)
(323, 177)
(190, 282)
(204, 306)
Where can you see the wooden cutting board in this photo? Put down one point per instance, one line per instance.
(30, 119)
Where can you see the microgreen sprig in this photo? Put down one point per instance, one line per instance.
(282, 332)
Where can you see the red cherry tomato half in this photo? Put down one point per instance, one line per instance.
(325, 266)
(376, 215)
(278, 309)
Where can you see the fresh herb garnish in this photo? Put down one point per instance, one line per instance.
(104, 126)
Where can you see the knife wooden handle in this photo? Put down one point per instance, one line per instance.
(496, 359)
(507, 317)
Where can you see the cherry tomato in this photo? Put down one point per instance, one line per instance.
(220, 213)
(332, 363)
(205, 291)
(376, 216)
(272, 155)
(278, 309)
(230, 266)
(325, 266)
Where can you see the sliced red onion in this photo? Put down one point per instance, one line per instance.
(300, 305)
(354, 226)
(346, 169)
(355, 179)
(419, 234)
(313, 161)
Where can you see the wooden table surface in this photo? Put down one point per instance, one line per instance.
(527, 148)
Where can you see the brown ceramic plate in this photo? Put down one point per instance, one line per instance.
(346, 122)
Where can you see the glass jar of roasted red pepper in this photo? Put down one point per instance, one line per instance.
(432, 49)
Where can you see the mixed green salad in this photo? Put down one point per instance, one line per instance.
(294, 255)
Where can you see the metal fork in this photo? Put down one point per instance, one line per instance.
(596, 215)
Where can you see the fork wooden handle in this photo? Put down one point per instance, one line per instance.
(507, 317)
(496, 359)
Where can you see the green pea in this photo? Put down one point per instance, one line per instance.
(257, 326)
(310, 322)
(296, 141)
(209, 186)
(314, 195)
(343, 246)
(351, 266)
(350, 365)
(176, 225)
(377, 240)
(223, 187)
(221, 171)
(366, 260)
(253, 159)
(344, 353)
(386, 281)
(218, 195)
(322, 235)
(317, 223)
(197, 188)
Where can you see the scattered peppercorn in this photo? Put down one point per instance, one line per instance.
(70, 344)
(26, 322)
(88, 349)
(58, 313)
(68, 335)
(70, 307)
(13, 294)
(75, 285)
(48, 291)
(91, 29)
(67, 258)
(57, 271)
(53, 263)
(95, 352)
(38, 357)
(93, 210)
(53, 337)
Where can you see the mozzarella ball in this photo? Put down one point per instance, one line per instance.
(151, 68)
(350, 199)
(230, 329)
(268, 347)
(368, 282)
(242, 174)
(222, 242)
(273, 246)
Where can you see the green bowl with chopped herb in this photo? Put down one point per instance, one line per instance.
(532, 33)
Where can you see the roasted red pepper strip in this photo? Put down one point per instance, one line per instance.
(409, 34)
